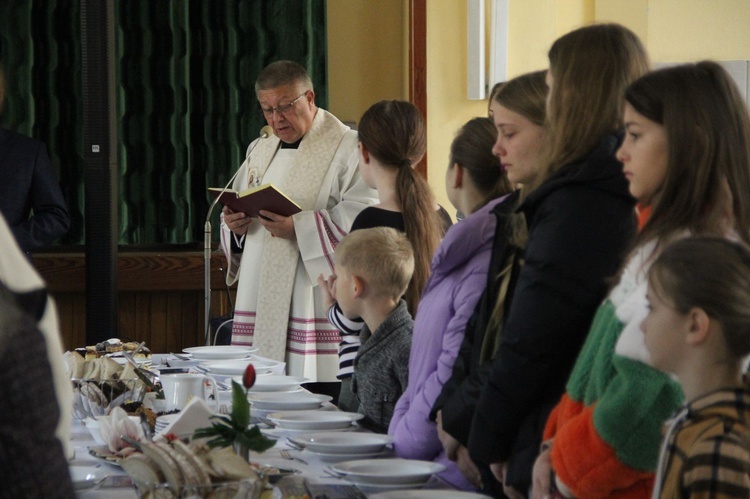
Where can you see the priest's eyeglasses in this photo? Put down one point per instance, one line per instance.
(284, 109)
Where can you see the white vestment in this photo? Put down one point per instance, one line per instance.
(279, 307)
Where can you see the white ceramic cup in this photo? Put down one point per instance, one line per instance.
(180, 388)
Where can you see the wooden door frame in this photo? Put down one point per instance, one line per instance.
(418, 64)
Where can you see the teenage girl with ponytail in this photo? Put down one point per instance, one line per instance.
(392, 140)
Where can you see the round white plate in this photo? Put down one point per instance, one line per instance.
(237, 367)
(387, 471)
(85, 477)
(287, 401)
(220, 352)
(275, 383)
(282, 433)
(337, 457)
(314, 420)
(343, 443)
(427, 494)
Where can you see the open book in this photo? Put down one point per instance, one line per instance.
(251, 201)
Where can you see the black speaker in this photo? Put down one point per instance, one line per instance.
(100, 174)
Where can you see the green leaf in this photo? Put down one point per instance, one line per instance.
(255, 440)
(240, 406)
(222, 418)
(225, 430)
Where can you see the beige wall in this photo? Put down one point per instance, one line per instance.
(366, 54)
(533, 26)
(370, 69)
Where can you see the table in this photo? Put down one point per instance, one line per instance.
(117, 484)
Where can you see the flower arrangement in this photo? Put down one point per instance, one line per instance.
(117, 425)
(234, 430)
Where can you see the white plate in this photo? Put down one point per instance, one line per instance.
(314, 420)
(343, 443)
(284, 432)
(85, 477)
(337, 457)
(220, 352)
(287, 401)
(275, 383)
(427, 494)
(375, 472)
(237, 367)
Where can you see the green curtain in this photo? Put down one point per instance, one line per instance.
(186, 107)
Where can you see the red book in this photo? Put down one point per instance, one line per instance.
(251, 201)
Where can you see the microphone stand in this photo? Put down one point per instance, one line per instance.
(265, 132)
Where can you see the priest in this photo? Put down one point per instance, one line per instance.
(312, 157)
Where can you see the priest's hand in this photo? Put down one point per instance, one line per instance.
(278, 225)
(236, 222)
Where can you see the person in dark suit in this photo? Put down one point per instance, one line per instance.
(30, 196)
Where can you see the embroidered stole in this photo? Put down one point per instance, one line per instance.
(280, 256)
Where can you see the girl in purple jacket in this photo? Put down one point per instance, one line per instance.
(475, 185)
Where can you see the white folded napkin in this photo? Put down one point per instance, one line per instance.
(196, 414)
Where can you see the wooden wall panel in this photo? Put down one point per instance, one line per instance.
(71, 310)
(160, 296)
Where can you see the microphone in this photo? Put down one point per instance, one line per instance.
(265, 132)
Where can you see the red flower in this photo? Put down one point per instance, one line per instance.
(248, 379)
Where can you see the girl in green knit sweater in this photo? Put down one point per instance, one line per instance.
(686, 155)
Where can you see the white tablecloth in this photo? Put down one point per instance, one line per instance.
(117, 485)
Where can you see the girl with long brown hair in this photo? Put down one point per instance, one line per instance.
(392, 140)
(517, 110)
(580, 220)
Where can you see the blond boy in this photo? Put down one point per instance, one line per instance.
(373, 268)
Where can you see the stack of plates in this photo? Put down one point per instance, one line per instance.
(314, 420)
(237, 367)
(387, 474)
(220, 352)
(274, 383)
(287, 401)
(336, 446)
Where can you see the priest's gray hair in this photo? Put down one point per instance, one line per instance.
(281, 73)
